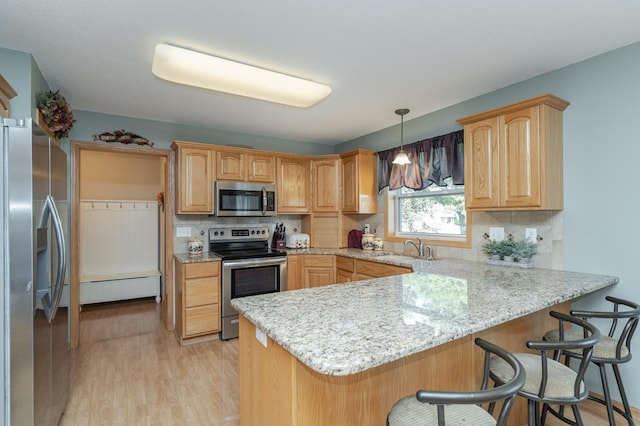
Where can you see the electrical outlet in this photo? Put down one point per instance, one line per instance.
(496, 234)
(531, 235)
(183, 231)
(261, 337)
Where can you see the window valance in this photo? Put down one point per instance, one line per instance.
(432, 161)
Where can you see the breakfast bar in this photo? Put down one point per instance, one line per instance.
(343, 354)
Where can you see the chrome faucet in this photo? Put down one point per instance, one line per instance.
(420, 246)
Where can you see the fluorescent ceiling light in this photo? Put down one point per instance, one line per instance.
(210, 72)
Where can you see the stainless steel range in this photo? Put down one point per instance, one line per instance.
(249, 267)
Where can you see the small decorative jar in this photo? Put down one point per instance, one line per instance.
(378, 243)
(367, 241)
(194, 246)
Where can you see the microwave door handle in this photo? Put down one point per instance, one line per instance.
(264, 201)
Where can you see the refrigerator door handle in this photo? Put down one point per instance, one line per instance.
(50, 302)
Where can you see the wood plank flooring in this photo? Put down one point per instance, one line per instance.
(129, 370)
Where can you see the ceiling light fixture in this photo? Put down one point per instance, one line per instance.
(210, 72)
(401, 157)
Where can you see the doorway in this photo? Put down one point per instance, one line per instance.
(89, 178)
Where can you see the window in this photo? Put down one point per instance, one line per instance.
(434, 213)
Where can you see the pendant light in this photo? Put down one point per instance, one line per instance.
(401, 158)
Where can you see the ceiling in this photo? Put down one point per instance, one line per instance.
(377, 55)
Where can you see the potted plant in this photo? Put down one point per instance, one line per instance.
(506, 249)
(492, 249)
(524, 250)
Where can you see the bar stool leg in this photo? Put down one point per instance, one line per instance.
(607, 393)
(576, 413)
(623, 395)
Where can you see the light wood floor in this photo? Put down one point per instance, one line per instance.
(129, 370)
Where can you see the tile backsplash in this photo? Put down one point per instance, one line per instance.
(200, 224)
(549, 226)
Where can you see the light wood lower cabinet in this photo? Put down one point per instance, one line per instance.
(318, 270)
(197, 301)
(294, 272)
(345, 268)
(348, 269)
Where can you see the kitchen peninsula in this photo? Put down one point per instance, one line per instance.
(343, 354)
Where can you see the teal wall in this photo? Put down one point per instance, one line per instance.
(601, 154)
(15, 67)
(162, 134)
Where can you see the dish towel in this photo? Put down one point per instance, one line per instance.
(355, 239)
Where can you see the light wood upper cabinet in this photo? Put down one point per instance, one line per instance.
(230, 165)
(325, 176)
(6, 94)
(261, 168)
(245, 166)
(194, 178)
(294, 187)
(359, 182)
(513, 156)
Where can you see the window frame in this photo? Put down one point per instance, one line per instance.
(392, 233)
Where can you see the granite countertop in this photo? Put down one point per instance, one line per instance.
(347, 328)
(204, 257)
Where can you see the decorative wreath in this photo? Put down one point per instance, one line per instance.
(122, 136)
(56, 113)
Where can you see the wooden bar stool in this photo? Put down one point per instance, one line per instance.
(613, 349)
(431, 408)
(548, 380)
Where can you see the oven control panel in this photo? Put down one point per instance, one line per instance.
(239, 233)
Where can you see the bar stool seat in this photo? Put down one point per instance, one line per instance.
(613, 349)
(560, 378)
(439, 408)
(548, 380)
(410, 411)
(605, 348)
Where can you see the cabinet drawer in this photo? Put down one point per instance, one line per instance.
(202, 269)
(318, 260)
(202, 319)
(201, 291)
(375, 269)
(344, 263)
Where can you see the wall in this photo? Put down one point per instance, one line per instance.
(596, 228)
(162, 135)
(120, 176)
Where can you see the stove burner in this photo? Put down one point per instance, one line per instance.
(242, 242)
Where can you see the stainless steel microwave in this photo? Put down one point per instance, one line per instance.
(245, 199)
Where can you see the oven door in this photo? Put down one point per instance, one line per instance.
(249, 277)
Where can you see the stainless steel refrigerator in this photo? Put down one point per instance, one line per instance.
(35, 324)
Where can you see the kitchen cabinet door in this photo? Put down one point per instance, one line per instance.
(482, 169)
(319, 270)
(261, 168)
(325, 175)
(294, 272)
(294, 187)
(194, 179)
(359, 182)
(230, 165)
